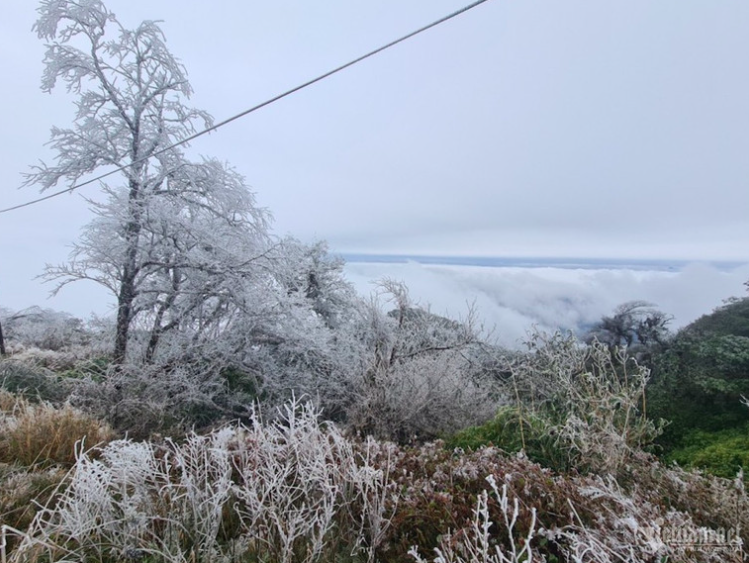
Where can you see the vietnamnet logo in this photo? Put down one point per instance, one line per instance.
(696, 538)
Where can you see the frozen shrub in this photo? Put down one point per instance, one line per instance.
(43, 329)
(422, 398)
(605, 423)
(418, 381)
(143, 400)
(294, 477)
(592, 397)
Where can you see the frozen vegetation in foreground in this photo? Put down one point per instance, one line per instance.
(296, 490)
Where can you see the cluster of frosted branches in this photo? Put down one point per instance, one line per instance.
(418, 379)
(142, 399)
(136, 499)
(294, 479)
(478, 544)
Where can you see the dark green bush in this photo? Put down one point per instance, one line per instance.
(721, 453)
(32, 382)
(95, 368)
(697, 383)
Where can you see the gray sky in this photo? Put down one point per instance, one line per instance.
(518, 129)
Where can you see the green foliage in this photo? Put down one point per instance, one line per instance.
(677, 398)
(95, 369)
(698, 382)
(732, 318)
(721, 453)
(721, 362)
(514, 430)
(241, 383)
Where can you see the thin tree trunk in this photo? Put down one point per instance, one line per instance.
(2, 342)
(124, 313)
(126, 296)
(127, 293)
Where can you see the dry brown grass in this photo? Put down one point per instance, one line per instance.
(8, 402)
(40, 434)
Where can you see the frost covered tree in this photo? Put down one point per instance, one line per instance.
(633, 323)
(419, 380)
(174, 240)
(44, 328)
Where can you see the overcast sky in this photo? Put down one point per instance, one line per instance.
(572, 128)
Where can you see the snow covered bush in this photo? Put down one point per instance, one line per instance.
(43, 329)
(418, 381)
(591, 397)
(295, 479)
(142, 400)
(421, 398)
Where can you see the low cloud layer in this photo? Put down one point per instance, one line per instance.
(514, 300)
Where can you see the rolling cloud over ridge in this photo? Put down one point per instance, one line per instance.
(512, 300)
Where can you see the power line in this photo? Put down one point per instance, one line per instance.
(254, 108)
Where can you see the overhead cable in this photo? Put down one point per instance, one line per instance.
(252, 109)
